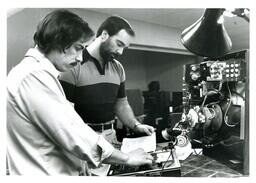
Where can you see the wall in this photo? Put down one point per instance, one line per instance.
(20, 29)
(142, 67)
(168, 69)
(134, 63)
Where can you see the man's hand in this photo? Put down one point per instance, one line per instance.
(146, 129)
(136, 157)
(139, 157)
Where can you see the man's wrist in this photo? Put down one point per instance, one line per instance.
(136, 124)
(125, 159)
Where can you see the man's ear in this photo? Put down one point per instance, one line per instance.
(104, 35)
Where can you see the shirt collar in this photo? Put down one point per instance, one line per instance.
(47, 64)
(88, 57)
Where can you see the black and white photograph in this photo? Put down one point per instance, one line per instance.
(121, 92)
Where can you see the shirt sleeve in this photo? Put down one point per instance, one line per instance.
(46, 106)
(121, 91)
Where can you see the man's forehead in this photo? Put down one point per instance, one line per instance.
(123, 32)
(123, 36)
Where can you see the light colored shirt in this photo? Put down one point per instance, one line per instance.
(45, 136)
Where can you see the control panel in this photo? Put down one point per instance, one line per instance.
(226, 70)
(232, 70)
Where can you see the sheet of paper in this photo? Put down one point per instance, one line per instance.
(184, 152)
(163, 156)
(148, 143)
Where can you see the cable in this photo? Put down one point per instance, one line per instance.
(217, 102)
(197, 153)
(166, 162)
(202, 105)
(229, 145)
(213, 91)
(212, 112)
(225, 114)
(238, 94)
(220, 86)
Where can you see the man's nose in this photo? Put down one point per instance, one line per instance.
(79, 57)
(120, 51)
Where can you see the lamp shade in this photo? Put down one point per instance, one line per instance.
(207, 36)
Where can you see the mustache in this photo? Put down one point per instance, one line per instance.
(114, 55)
(73, 63)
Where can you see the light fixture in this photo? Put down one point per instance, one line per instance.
(208, 37)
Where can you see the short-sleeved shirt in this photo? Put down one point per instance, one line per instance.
(93, 89)
(45, 135)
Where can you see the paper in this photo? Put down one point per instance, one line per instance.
(148, 143)
(102, 170)
(163, 156)
(183, 152)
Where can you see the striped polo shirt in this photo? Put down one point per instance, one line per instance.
(93, 89)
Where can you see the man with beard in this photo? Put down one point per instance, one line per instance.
(97, 85)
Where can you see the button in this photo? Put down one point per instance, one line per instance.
(193, 68)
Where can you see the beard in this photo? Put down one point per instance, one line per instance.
(106, 54)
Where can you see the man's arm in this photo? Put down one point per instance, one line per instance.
(125, 113)
(51, 112)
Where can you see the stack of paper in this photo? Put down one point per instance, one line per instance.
(148, 143)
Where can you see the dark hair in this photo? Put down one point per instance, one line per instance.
(59, 30)
(114, 24)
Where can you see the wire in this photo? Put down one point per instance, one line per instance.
(166, 162)
(212, 112)
(213, 91)
(220, 86)
(205, 97)
(238, 94)
(197, 153)
(229, 145)
(212, 103)
(225, 114)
